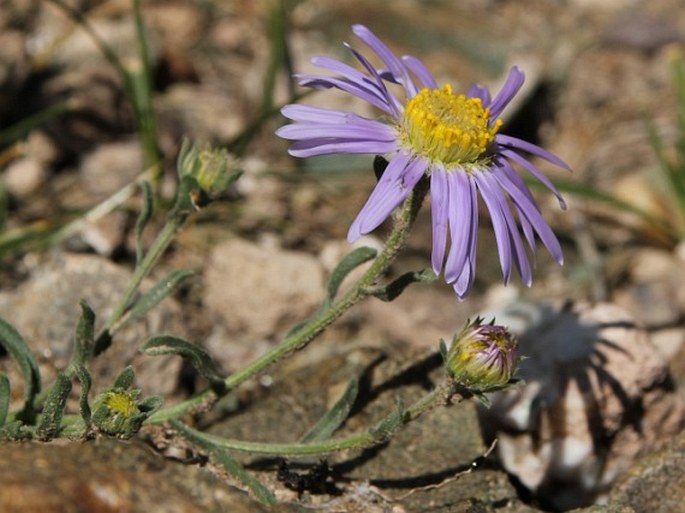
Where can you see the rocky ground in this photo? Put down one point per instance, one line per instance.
(600, 416)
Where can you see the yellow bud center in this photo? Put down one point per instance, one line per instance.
(122, 403)
(448, 128)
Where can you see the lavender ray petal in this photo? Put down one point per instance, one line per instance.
(478, 91)
(503, 166)
(419, 69)
(392, 175)
(515, 142)
(327, 146)
(463, 284)
(394, 64)
(499, 224)
(509, 89)
(355, 131)
(392, 102)
(519, 253)
(384, 101)
(439, 217)
(347, 71)
(530, 211)
(460, 207)
(395, 193)
(297, 112)
(388, 76)
(532, 169)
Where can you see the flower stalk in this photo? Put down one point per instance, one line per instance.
(304, 335)
(379, 433)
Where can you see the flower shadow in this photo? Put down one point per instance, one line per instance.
(596, 393)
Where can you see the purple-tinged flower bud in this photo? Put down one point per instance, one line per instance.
(483, 357)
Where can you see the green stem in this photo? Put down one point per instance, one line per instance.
(381, 432)
(301, 337)
(158, 247)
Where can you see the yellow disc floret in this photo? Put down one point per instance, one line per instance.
(448, 128)
(122, 403)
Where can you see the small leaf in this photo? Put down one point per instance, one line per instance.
(198, 357)
(16, 431)
(334, 417)
(296, 328)
(86, 383)
(144, 218)
(155, 295)
(51, 420)
(125, 378)
(4, 398)
(385, 428)
(151, 404)
(393, 289)
(85, 335)
(443, 351)
(13, 342)
(347, 264)
(232, 466)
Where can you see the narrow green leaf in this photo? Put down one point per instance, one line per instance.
(151, 404)
(334, 417)
(51, 420)
(385, 428)
(144, 218)
(678, 72)
(15, 345)
(198, 357)
(233, 467)
(86, 383)
(592, 193)
(4, 398)
(671, 172)
(397, 286)
(296, 328)
(125, 378)
(85, 335)
(221, 457)
(350, 262)
(443, 351)
(156, 294)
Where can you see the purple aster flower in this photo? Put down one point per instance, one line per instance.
(451, 138)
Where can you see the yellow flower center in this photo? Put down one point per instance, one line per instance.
(122, 403)
(448, 128)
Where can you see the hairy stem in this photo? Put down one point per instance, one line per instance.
(381, 432)
(301, 337)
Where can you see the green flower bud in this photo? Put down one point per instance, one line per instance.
(213, 169)
(118, 412)
(483, 357)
